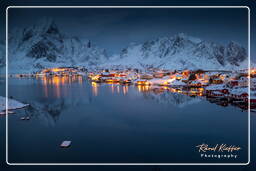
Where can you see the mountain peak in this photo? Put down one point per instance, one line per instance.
(234, 44)
(184, 37)
(41, 28)
(181, 35)
(52, 29)
(182, 51)
(45, 23)
(44, 45)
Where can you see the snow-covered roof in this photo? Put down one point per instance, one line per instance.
(177, 82)
(215, 87)
(239, 90)
(253, 79)
(195, 82)
(179, 75)
(105, 73)
(217, 92)
(141, 80)
(157, 81)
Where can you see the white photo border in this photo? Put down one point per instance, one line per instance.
(249, 66)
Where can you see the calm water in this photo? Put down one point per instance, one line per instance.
(114, 123)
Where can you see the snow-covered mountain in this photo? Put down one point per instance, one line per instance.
(182, 52)
(44, 45)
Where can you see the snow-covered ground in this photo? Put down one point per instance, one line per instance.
(12, 104)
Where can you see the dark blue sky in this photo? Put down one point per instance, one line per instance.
(114, 29)
(219, 25)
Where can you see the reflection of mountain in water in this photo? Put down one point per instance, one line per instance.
(59, 94)
(76, 98)
(49, 111)
(174, 99)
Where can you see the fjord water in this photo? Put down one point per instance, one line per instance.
(117, 124)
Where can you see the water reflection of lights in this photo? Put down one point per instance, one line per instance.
(95, 89)
(118, 89)
(57, 81)
(125, 90)
(115, 88)
(59, 90)
(60, 80)
(161, 89)
(112, 88)
(143, 88)
(80, 80)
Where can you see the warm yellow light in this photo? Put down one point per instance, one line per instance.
(95, 78)
(253, 71)
(58, 69)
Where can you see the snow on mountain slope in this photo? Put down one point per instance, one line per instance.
(43, 45)
(182, 52)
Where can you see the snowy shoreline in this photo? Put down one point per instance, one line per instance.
(12, 105)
